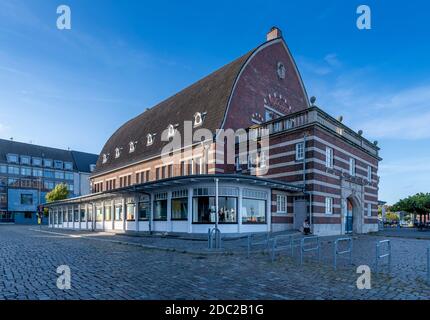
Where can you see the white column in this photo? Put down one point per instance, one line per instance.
(239, 210)
(124, 213)
(136, 212)
(103, 215)
(151, 218)
(190, 210)
(169, 227)
(86, 216)
(112, 213)
(79, 216)
(93, 217)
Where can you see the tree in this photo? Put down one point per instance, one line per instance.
(418, 204)
(60, 192)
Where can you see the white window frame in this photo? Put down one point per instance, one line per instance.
(300, 151)
(352, 166)
(149, 140)
(281, 203)
(369, 173)
(329, 157)
(238, 164)
(369, 209)
(328, 205)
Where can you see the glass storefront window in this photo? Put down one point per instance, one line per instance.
(118, 213)
(130, 212)
(83, 216)
(144, 210)
(180, 209)
(99, 214)
(253, 211)
(204, 210)
(90, 213)
(70, 211)
(108, 213)
(76, 214)
(160, 210)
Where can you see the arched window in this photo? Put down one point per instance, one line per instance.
(104, 158)
(117, 152)
(132, 145)
(171, 131)
(149, 140)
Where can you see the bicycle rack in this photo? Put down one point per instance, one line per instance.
(251, 243)
(338, 253)
(304, 250)
(379, 256)
(214, 234)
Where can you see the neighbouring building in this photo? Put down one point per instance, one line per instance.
(28, 172)
(289, 160)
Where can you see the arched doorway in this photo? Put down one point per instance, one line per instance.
(349, 217)
(352, 216)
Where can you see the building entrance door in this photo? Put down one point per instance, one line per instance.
(300, 212)
(349, 222)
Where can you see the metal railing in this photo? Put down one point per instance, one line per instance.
(310, 244)
(379, 256)
(337, 252)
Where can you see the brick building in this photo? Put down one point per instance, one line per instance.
(243, 148)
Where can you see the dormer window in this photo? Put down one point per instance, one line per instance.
(170, 131)
(117, 153)
(149, 140)
(132, 146)
(104, 158)
(198, 119)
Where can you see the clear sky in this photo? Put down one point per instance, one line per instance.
(74, 88)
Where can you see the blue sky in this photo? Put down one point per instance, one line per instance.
(75, 88)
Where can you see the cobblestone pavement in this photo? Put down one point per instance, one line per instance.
(109, 270)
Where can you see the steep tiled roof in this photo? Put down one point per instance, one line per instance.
(210, 95)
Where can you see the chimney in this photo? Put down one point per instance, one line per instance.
(274, 33)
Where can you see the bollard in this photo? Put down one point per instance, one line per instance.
(337, 252)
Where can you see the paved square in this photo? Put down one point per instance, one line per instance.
(102, 269)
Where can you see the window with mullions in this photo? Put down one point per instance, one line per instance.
(70, 214)
(99, 214)
(3, 168)
(37, 162)
(130, 212)
(76, 214)
(253, 211)
(180, 209)
(108, 213)
(118, 213)
(58, 164)
(204, 209)
(49, 174)
(13, 170)
(68, 165)
(25, 171)
(47, 163)
(25, 160)
(12, 158)
(90, 213)
(160, 210)
(83, 215)
(144, 210)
